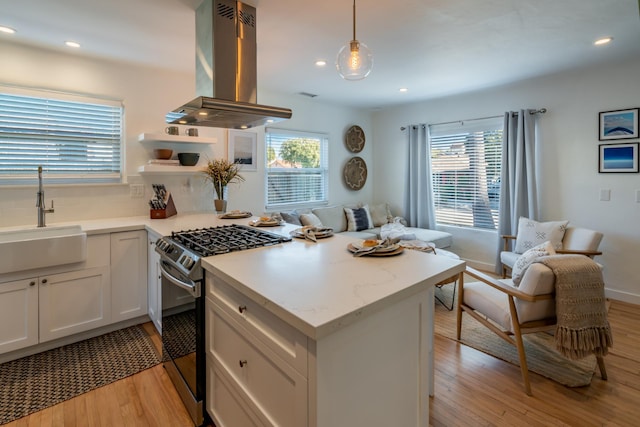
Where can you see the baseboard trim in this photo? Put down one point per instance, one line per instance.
(622, 296)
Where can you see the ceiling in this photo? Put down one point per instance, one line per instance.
(434, 48)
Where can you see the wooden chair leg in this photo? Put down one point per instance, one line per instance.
(603, 370)
(460, 301)
(517, 336)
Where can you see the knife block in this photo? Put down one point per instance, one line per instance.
(169, 210)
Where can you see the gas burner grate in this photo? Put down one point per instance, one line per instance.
(226, 238)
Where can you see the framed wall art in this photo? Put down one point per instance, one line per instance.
(618, 158)
(243, 149)
(619, 124)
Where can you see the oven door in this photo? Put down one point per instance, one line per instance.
(183, 337)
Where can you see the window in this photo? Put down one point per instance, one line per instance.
(75, 139)
(465, 170)
(296, 168)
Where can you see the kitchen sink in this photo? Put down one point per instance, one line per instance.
(30, 248)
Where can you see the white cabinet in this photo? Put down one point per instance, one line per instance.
(154, 283)
(256, 363)
(74, 302)
(50, 303)
(128, 275)
(56, 301)
(18, 314)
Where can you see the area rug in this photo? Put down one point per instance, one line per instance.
(542, 358)
(36, 382)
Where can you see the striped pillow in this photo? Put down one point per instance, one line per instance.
(358, 219)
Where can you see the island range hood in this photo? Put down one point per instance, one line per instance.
(226, 71)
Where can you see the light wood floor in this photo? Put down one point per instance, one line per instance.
(471, 389)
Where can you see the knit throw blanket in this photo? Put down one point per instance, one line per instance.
(582, 325)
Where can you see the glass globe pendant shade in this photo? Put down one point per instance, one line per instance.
(354, 61)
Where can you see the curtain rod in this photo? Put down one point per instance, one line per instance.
(514, 113)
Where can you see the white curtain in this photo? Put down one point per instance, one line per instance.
(518, 189)
(418, 202)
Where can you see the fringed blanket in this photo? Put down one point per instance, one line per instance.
(583, 327)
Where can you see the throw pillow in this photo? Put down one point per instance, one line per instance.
(332, 217)
(291, 217)
(358, 219)
(310, 220)
(532, 233)
(528, 258)
(380, 214)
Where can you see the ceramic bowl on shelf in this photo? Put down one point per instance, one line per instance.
(188, 159)
(162, 153)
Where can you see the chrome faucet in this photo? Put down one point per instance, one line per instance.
(42, 210)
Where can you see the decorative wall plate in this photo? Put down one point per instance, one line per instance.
(354, 139)
(355, 173)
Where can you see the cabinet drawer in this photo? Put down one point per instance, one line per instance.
(277, 391)
(286, 341)
(225, 405)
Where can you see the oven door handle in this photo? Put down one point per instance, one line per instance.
(192, 287)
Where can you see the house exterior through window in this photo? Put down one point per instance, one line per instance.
(465, 171)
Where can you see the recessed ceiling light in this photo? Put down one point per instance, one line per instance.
(7, 30)
(404, 89)
(321, 63)
(72, 44)
(603, 40)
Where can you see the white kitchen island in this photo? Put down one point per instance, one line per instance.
(305, 334)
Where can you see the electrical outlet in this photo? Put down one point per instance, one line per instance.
(136, 191)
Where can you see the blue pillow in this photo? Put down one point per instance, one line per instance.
(358, 219)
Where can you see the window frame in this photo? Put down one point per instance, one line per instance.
(322, 170)
(65, 144)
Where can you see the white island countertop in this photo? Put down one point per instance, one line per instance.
(321, 287)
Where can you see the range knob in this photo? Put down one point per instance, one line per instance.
(187, 262)
(163, 245)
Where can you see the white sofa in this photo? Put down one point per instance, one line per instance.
(336, 217)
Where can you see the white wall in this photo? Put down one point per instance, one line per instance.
(570, 183)
(148, 94)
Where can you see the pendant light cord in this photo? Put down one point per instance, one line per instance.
(354, 19)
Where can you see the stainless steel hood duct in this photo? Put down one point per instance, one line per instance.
(226, 70)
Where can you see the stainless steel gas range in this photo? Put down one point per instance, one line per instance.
(183, 303)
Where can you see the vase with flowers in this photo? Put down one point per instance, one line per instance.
(221, 173)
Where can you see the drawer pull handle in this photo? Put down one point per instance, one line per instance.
(32, 283)
(242, 308)
(44, 281)
(242, 363)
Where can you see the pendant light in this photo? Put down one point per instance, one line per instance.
(354, 61)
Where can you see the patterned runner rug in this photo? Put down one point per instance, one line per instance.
(542, 357)
(36, 382)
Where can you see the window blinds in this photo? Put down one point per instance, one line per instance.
(73, 140)
(296, 168)
(465, 166)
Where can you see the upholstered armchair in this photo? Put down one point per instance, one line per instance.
(511, 311)
(564, 238)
